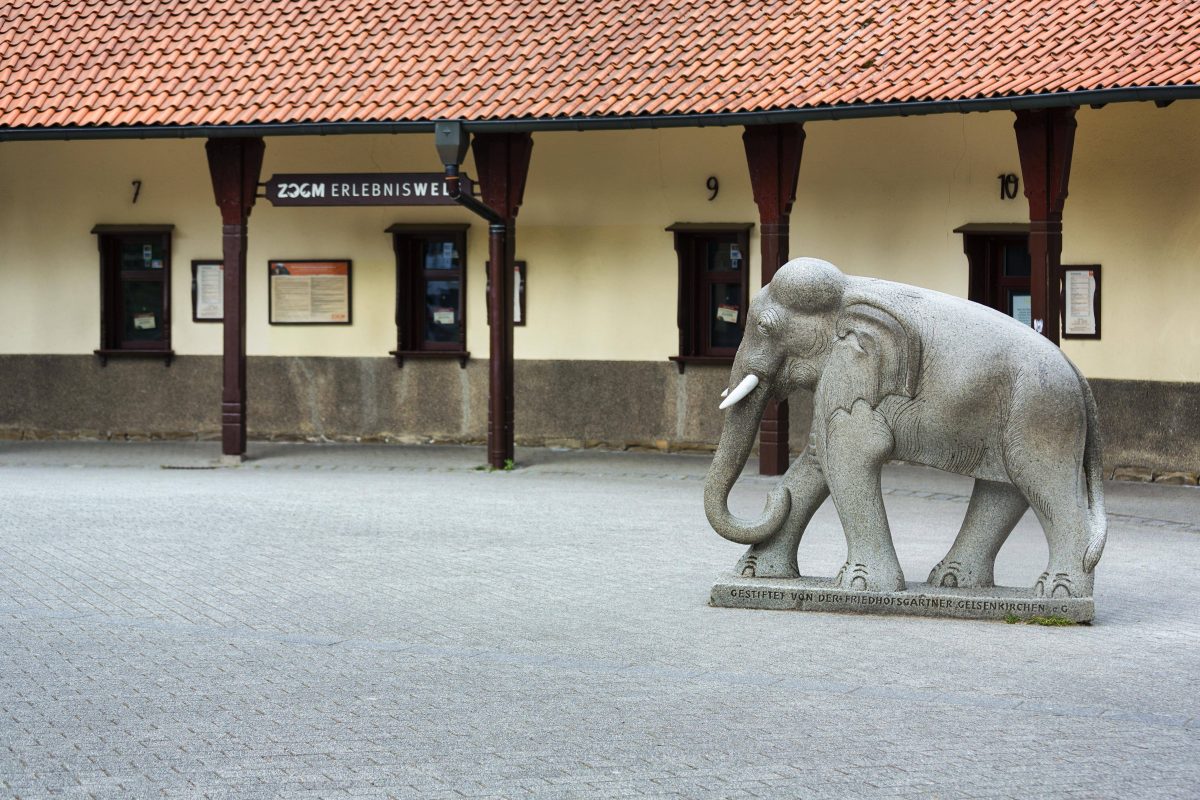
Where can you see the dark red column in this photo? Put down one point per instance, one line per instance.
(773, 154)
(235, 165)
(1045, 139)
(502, 163)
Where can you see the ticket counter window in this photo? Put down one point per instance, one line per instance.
(135, 289)
(713, 290)
(431, 269)
(1000, 268)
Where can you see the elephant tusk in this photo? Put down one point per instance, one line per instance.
(744, 388)
(725, 391)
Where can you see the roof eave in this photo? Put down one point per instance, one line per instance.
(1158, 94)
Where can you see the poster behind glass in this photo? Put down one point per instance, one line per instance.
(208, 290)
(309, 292)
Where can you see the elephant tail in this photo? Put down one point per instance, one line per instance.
(1093, 471)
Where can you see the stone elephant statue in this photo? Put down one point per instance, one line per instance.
(899, 372)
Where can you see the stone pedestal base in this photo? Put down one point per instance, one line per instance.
(921, 599)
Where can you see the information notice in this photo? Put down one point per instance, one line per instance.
(1079, 302)
(310, 292)
(210, 290)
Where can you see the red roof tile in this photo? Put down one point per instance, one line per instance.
(226, 62)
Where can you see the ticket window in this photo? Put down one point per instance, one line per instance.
(1000, 269)
(135, 289)
(714, 267)
(431, 286)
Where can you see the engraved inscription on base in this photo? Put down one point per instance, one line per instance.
(809, 594)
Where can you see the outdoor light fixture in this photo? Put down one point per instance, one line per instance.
(452, 141)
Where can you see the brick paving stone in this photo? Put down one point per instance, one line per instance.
(406, 626)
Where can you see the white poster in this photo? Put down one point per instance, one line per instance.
(1079, 302)
(518, 290)
(210, 290)
(1022, 309)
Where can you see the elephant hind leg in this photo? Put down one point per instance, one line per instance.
(1061, 507)
(994, 510)
(1044, 449)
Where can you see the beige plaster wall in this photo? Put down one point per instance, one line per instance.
(877, 197)
(1135, 208)
(51, 194)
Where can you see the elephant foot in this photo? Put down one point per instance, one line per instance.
(764, 561)
(866, 578)
(955, 574)
(1062, 584)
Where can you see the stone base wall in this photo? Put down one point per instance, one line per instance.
(570, 403)
(1153, 425)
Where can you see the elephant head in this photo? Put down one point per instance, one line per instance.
(790, 330)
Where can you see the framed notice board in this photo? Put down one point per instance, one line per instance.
(308, 292)
(1080, 287)
(208, 290)
(519, 272)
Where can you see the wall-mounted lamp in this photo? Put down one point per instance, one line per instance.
(452, 142)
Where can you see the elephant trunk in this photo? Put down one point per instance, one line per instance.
(737, 439)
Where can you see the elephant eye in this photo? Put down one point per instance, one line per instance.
(766, 322)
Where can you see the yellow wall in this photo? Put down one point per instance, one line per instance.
(1134, 207)
(876, 197)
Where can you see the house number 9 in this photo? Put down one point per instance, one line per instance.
(1008, 185)
(714, 186)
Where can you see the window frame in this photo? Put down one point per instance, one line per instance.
(112, 278)
(695, 282)
(982, 242)
(411, 280)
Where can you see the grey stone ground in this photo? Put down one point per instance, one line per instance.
(387, 621)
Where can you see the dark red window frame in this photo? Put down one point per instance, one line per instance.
(695, 283)
(412, 279)
(984, 245)
(113, 280)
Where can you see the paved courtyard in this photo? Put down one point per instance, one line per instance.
(389, 621)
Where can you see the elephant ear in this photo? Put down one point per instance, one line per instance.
(875, 355)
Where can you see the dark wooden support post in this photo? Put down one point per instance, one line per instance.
(773, 154)
(1045, 139)
(502, 161)
(234, 164)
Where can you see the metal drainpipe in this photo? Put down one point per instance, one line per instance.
(500, 399)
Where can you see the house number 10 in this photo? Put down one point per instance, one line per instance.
(1008, 186)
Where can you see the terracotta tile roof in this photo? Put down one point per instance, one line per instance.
(220, 62)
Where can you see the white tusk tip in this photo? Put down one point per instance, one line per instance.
(740, 391)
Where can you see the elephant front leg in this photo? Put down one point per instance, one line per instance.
(857, 443)
(776, 557)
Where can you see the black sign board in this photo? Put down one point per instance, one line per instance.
(362, 189)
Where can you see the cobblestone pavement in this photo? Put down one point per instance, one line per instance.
(387, 621)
